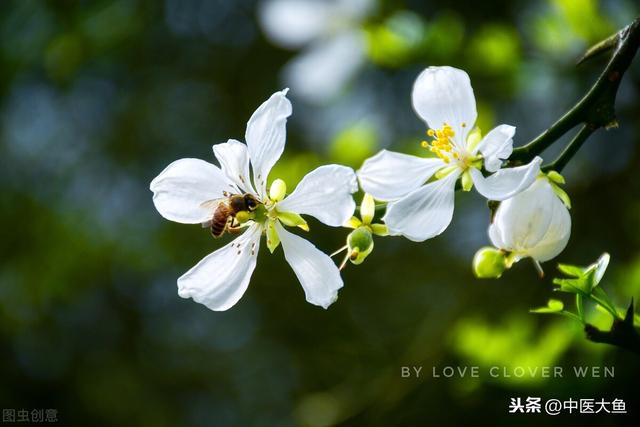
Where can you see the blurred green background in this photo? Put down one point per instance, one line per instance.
(97, 97)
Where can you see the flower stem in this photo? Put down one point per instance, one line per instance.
(597, 108)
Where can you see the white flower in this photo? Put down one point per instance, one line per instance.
(443, 98)
(328, 30)
(184, 190)
(534, 223)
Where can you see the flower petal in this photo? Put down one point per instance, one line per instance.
(180, 190)
(444, 95)
(557, 236)
(220, 279)
(521, 221)
(506, 182)
(320, 72)
(294, 23)
(265, 136)
(496, 146)
(324, 193)
(316, 272)
(390, 176)
(533, 223)
(233, 157)
(424, 213)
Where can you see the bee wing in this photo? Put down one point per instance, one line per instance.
(211, 205)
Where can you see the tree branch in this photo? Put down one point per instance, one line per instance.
(571, 149)
(622, 333)
(597, 108)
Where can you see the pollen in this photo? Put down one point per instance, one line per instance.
(441, 144)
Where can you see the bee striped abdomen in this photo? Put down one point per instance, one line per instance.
(219, 220)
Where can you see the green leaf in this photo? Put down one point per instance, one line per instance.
(573, 286)
(582, 279)
(601, 297)
(553, 306)
(584, 283)
(571, 270)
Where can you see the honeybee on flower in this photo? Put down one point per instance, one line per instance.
(189, 191)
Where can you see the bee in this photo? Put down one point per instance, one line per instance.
(225, 210)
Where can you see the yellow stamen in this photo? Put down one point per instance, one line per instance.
(441, 145)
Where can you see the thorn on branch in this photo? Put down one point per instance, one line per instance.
(622, 333)
(628, 317)
(599, 48)
(597, 107)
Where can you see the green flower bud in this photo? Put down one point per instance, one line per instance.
(278, 190)
(489, 263)
(359, 244)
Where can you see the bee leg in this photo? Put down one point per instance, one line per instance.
(234, 226)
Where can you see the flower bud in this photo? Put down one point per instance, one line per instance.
(535, 223)
(489, 263)
(359, 244)
(278, 190)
